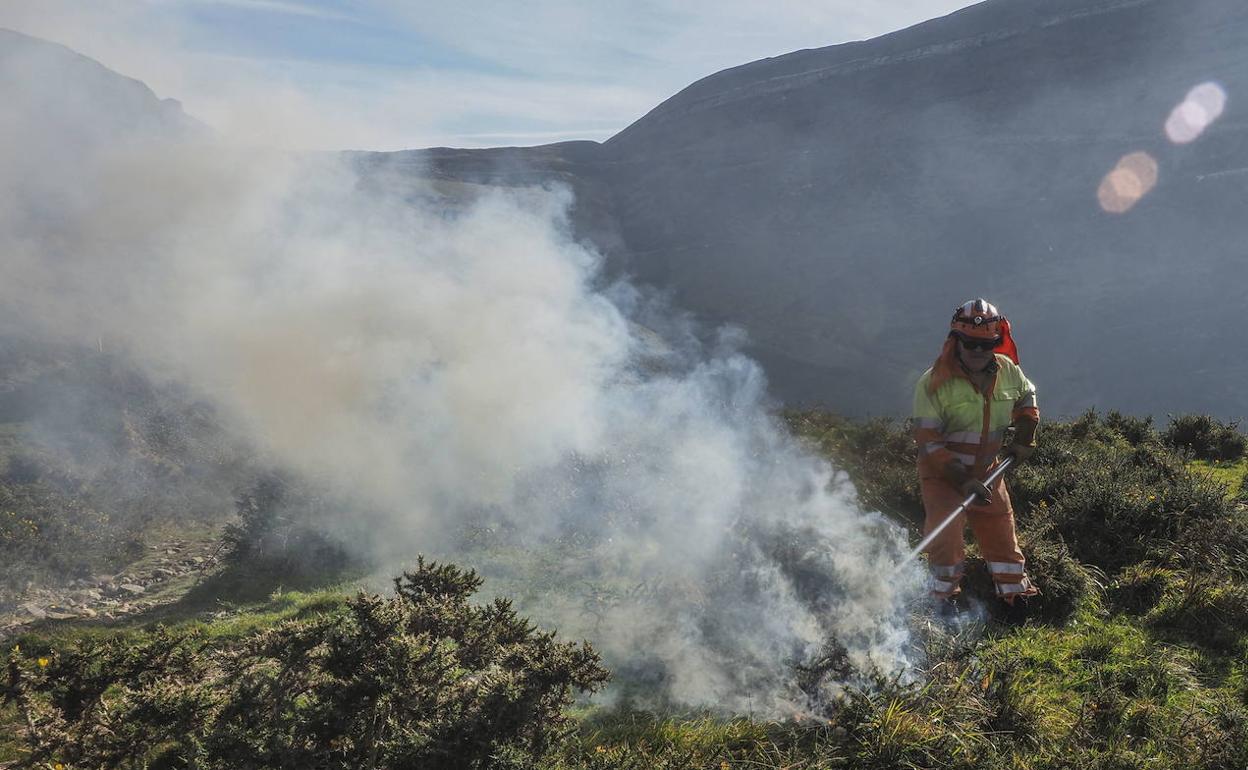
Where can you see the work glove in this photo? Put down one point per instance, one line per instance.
(1024, 440)
(962, 480)
(982, 493)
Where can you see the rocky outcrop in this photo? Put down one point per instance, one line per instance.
(161, 577)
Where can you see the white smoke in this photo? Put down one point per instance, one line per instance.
(453, 363)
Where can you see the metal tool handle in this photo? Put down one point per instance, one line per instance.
(988, 481)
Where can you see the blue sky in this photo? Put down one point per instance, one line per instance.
(389, 74)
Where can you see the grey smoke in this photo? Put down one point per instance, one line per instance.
(454, 363)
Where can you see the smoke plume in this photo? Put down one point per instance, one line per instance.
(458, 365)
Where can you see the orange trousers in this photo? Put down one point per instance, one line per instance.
(993, 526)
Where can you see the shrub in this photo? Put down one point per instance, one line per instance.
(23, 468)
(1134, 430)
(421, 679)
(1065, 584)
(1117, 508)
(1205, 438)
(280, 529)
(1140, 587)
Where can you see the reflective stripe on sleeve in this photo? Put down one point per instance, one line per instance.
(1027, 401)
(931, 423)
(932, 447)
(942, 586)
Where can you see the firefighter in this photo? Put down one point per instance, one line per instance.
(962, 407)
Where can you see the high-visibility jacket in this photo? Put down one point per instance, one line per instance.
(957, 422)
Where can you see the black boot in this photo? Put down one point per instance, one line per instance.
(947, 609)
(1015, 612)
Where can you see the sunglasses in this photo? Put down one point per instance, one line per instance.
(970, 343)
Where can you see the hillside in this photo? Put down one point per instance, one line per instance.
(80, 100)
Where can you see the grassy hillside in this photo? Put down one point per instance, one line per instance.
(1135, 655)
(97, 462)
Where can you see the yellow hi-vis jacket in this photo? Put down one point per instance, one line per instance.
(957, 422)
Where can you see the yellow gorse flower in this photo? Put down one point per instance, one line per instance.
(43, 662)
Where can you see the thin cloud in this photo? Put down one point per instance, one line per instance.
(277, 6)
(466, 74)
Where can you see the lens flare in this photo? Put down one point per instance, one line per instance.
(1128, 182)
(1198, 110)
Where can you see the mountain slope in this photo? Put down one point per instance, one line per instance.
(839, 202)
(78, 97)
(845, 199)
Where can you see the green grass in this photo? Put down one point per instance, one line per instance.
(1229, 474)
(1101, 692)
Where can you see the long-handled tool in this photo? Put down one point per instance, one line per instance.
(988, 482)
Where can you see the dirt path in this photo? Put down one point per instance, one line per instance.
(165, 573)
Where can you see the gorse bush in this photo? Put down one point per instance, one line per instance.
(418, 680)
(1068, 582)
(1205, 437)
(1134, 430)
(1114, 504)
